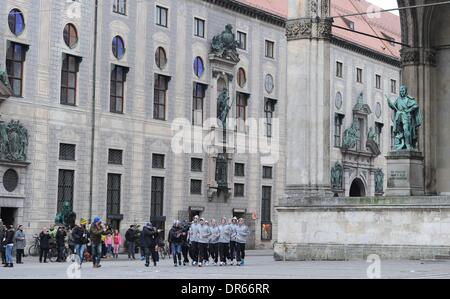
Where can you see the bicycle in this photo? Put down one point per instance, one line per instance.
(163, 251)
(33, 250)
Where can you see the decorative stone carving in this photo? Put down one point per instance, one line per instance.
(325, 8)
(372, 143)
(361, 107)
(13, 141)
(379, 181)
(4, 78)
(324, 28)
(430, 56)
(337, 175)
(407, 120)
(313, 5)
(225, 45)
(410, 56)
(222, 171)
(298, 29)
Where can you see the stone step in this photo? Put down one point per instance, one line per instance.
(442, 257)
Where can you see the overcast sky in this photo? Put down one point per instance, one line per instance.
(385, 3)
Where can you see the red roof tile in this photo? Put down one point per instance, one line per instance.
(385, 25)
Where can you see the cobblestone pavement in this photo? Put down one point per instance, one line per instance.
(258, 266)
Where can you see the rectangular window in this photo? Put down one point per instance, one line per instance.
(196, 165)
(270, 49)
(338, 121)
(359, 75)
(120, 6)
(67, 152)
(159, 101)
(269, 110)
(157, 197)
(161, 16)
(393, 86)
(113, 194)
(239, 169)
(69, 74)
(199, 27)
(339, 69)
(118, 78)
(267, 172)
(377, 81)
(115, 156)
(242, 40)
(241, 110)
(196, 187)
(15, 60)
(378, 131)
(238, 190)
(158, 161)
(266, 204)
(65, 188)
(197, 104)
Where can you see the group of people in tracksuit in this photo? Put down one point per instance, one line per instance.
(224, 242)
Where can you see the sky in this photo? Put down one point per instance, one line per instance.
(385, 4)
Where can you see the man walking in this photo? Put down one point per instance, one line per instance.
(242, 233)
(150, 242)
(176, 242)
(20, 244)
(129, 237)
(214, 242)
(96, 233)
(79, 234)
(204, 233)
(184, 242)
(224, 241)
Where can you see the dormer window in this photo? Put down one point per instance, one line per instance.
(350, 24)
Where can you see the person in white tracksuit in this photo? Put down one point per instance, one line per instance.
(242, 233)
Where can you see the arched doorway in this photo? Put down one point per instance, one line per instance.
(357, 189)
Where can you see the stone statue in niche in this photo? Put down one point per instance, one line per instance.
(379, 181)
(337, 175)
(13, 141)
(351, 135)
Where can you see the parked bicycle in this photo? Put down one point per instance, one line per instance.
(163, 250)
(33, 250)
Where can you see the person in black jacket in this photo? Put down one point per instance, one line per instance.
(61, 243)
(3, 242)
(80, 238)
(184, 242)
(176, 242)
(130, 238)
(44, 244)
(9, 241)
(150, 242)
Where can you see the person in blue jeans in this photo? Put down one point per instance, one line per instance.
(96, 233)
(79, 235)
(175, 238)
(9, 246)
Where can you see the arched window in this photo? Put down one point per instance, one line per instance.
(199, 68)
(241, 78)
(16, 21)
(70, 35)
(118, 47)
(160, 57)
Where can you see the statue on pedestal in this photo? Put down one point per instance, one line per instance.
(351, 135)
(407, 120)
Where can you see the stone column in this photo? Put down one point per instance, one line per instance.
(308, 106)
(418, 66)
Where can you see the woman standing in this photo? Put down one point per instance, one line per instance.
(44, 244)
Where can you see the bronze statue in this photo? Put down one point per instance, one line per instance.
(407, 120)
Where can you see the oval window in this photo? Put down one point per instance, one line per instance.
(16, 21)
(198, 67)
(161, 57)
(269, 83)
(118, 47)
(241, 78)
(10, 180)
(70, 35)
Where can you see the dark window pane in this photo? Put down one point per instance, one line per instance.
(65, 188)
(158, 161)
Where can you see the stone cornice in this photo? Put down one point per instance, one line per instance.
(365, 51)
(250, 11)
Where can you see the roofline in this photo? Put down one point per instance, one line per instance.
(251, 11)
(343, 43)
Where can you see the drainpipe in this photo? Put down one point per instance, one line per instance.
(94, 87)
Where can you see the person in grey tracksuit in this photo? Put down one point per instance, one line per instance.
(242, 233)
(233, 225)
(204, 233)
(21, 242)
(193, 240)
(224, 241)
(214, 242)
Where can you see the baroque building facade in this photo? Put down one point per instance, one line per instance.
(100, 89)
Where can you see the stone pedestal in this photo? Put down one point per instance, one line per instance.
(405, 174)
